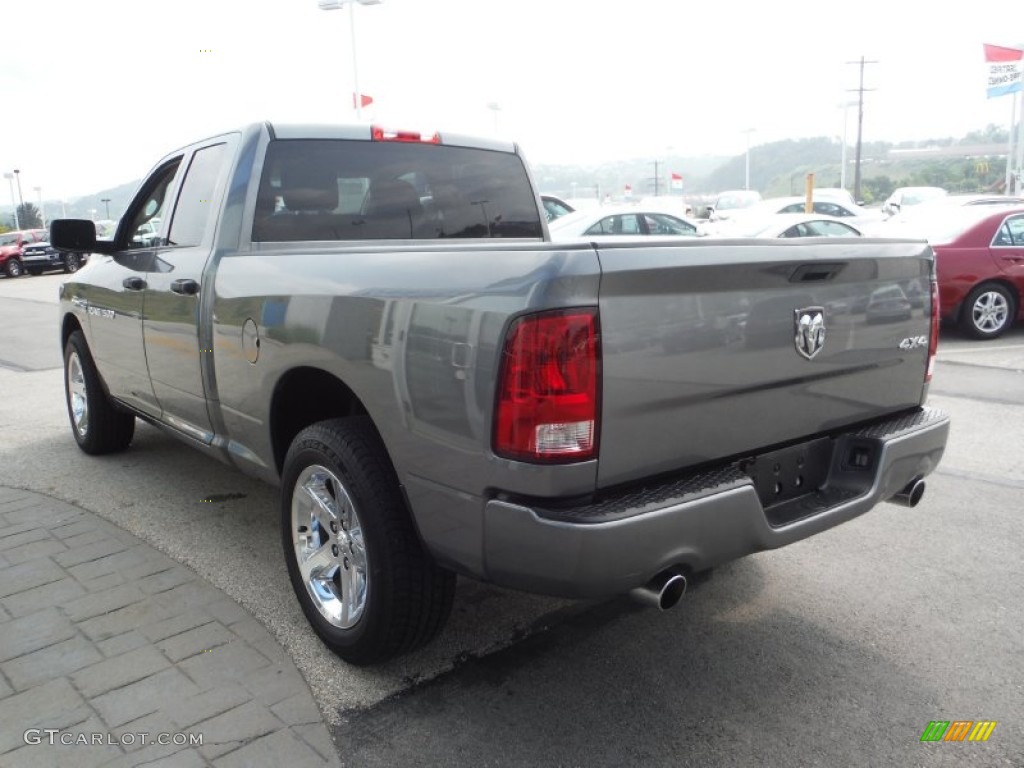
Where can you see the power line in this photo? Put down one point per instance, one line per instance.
(860, 89)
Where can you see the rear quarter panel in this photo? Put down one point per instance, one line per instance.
(414, 331)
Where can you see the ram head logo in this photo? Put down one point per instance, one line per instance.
(810, 330)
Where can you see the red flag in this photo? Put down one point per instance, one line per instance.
(364, 100)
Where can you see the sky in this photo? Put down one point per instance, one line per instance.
(97, 91)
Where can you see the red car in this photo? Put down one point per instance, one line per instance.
(979, 257)
(11, 244)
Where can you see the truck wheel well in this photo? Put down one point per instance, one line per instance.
(305, 396)
(67, 327)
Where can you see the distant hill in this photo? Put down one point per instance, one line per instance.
(975, 162)
(87, 207)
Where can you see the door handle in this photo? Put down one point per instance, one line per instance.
(134, 283)
(185, 286)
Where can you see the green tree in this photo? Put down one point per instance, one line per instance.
(28, 216)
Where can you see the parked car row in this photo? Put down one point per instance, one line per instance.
(978, 241)
(30, 251)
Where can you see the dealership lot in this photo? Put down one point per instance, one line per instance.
(839, 649)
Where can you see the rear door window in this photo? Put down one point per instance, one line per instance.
(194, 210)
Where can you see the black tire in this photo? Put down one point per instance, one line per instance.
(14, 268)
(72, 262)
(100, 428)
(988, 311)
(397, 598)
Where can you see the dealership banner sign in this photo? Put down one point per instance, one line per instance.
(1005, 70)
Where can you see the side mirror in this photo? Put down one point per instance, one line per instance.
(75, 235)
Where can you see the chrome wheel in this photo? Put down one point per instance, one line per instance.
(78, 401)
(329, 548)
(990, 311)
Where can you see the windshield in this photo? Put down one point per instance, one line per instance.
(917, 196)
(9, 239)
(732, 200)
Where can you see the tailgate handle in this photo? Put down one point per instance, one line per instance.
(816, 273)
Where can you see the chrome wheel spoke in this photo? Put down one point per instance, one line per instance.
(329, 548)
(320, 565)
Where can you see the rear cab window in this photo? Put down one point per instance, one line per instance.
(334, 189)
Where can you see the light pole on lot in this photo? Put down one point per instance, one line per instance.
(42, 214)
(333, 5)
(10, 180)
(106, 202)
(495, 107)
(17, 177)
(746, 177)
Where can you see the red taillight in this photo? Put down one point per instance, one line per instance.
(383, 134)
(933, 338)
(547, 407)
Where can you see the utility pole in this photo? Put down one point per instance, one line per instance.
(656, 178)
(860, 124)
(106, 202)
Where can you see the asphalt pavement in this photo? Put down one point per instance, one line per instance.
(839, 650)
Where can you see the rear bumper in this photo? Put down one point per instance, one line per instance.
(695, 523)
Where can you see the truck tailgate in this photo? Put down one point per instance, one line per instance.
(701, 356)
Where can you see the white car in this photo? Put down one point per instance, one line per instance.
(904, 197)
(555, 207)
(620, 220)
(742, 222)
(803, 225)
(915, 221)
(727, 204)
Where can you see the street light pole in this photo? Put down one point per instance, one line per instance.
(10, 181)
(495, 107)
(21, 200)
(746, 177)
(106, 202)
(332, 5)
(42, 213)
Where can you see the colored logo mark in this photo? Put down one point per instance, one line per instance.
(958, 730)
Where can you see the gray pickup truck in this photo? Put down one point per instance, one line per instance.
(377, 322)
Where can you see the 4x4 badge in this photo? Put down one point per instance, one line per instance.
(810, 330)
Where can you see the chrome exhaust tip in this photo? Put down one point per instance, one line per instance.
(663, 591)
(911, 495)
